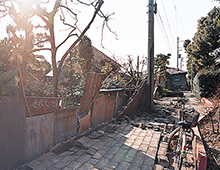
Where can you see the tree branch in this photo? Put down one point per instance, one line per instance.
(81, 35)
(43, 49)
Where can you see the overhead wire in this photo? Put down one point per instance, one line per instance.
(168, 23)
(161, 24)
(178, 19)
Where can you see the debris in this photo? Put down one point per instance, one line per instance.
(96, 135)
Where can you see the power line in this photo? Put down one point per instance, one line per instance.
(168, 23)
(178, 19)
(160, 21)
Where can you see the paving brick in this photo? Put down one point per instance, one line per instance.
(120, 143)
(129, 142)
(83, 158)
(118, 137)
(127, 128)
(66, 168)
(111, 135)
(74, 164)
(149, 133)
(83, 139)
(63, 162)
(106, 148)
(151, 152)
(80, 152)
(143, 147)
(48, 155)
(87, 166)
(111, 143)
(97, 155)
(91, 151)
(148, 167)
(74, 149)
(33, 163)
(92, 141)
(55, 158)
(131, 152)
(148, 161)
(162, 150)
(101, 163)
(133, 136)
(137, 130)
(157, 134)
(44, 165)
(146, 139)
(66, 153)
(106, 139)
(142, 133)
(120, 155)
(123, 166)
(133, 167)
(125, 147)
(129, 134)
(109, 156)
(158, 167)
(98, 145)
(114, 150)
(111, 165)
(53, 168)
(102, 152)
(154, 143)
(127, 159)
(92, 161)
(137, 161)
(135, 146)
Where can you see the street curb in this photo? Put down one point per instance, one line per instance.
(207, 103)
(199, 152)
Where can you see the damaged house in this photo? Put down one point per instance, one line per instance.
(177, 79)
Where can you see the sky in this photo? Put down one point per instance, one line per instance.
(174, 18)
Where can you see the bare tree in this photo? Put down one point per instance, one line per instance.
(28, 11)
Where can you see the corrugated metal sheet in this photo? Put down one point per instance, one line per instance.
(12, 132)
(103, 108)
(91, 89)
(39, 135)
(65, 124)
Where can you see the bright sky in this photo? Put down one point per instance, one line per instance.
(175, 18)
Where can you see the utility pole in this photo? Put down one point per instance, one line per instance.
(152, 9)
(177, 53)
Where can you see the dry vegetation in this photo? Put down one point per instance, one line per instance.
(210, 132)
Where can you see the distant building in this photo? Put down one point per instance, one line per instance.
(177, 79)
(95, 59)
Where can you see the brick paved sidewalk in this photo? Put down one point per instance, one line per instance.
(127, 147)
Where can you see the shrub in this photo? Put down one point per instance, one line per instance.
(206, 84)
